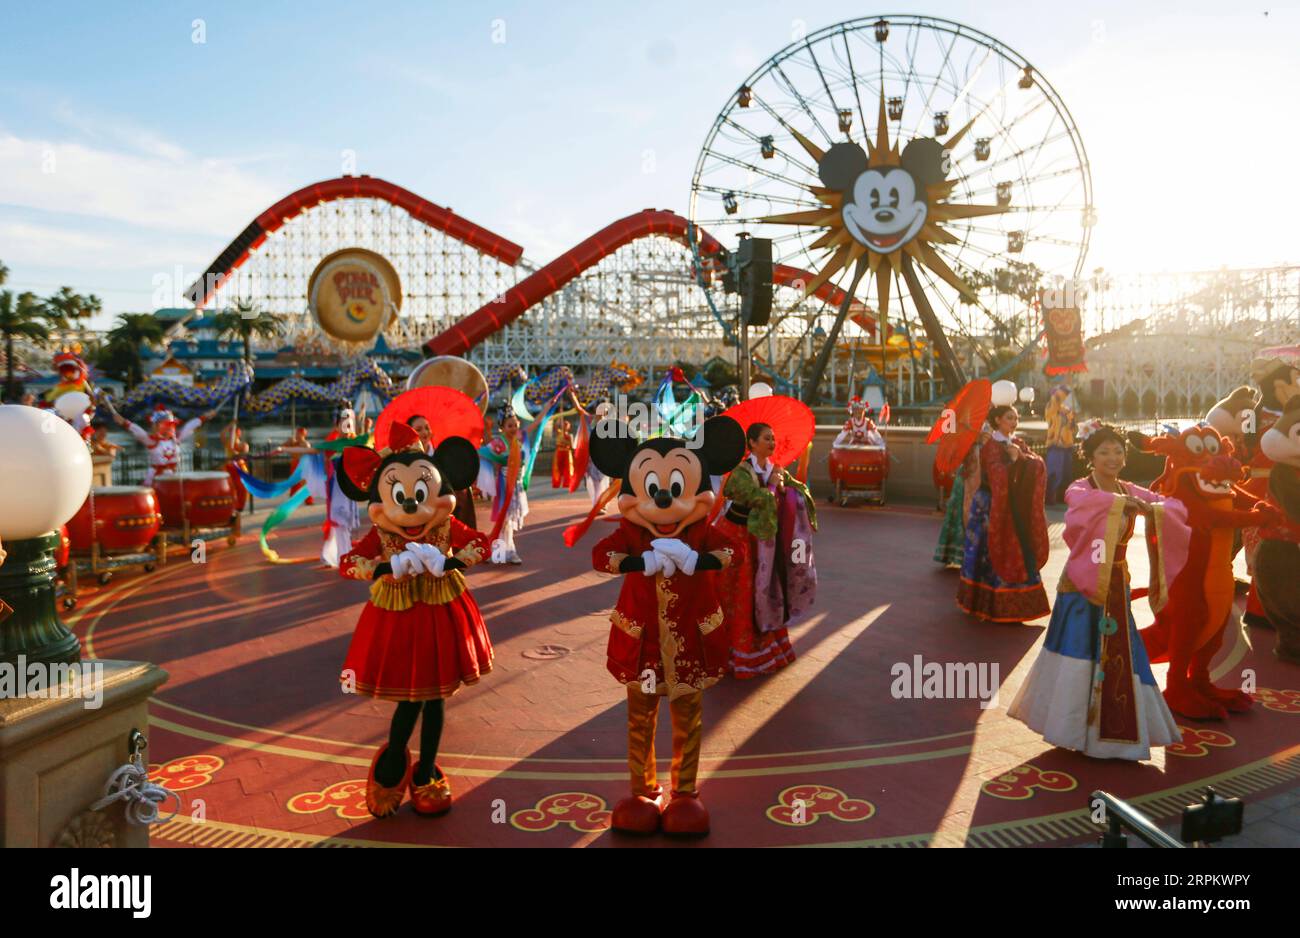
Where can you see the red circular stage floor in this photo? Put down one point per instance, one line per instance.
(254, 733)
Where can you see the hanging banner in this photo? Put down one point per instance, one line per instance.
(1063, 327)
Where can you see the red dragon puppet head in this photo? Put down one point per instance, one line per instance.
(1199, 462)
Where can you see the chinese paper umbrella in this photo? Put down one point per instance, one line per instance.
(792, 421)
(958, 427)
(449, 412)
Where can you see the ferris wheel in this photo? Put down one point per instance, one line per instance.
(907, 164)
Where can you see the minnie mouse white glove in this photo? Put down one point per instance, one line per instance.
(406, 563)
(434, 560)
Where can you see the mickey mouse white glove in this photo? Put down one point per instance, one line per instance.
(434, 560)
(678, 553)
(652, 564)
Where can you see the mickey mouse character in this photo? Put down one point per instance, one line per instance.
(420, 636)
(884, 207)
(666, 637)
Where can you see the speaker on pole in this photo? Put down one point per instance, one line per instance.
(755, 267)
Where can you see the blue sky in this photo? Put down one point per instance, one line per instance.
(163, 148)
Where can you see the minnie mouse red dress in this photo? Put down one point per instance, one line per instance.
(421, 637)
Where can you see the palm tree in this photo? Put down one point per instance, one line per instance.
(4, 273)
(125, 339)
(23, 317)
(246, 322)
(68, 309)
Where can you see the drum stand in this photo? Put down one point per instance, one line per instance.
(231, 533)
(102, 566)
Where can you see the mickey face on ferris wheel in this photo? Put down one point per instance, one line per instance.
(884, 206)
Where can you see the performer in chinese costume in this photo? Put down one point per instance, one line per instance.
(772, 580)
(951, 548)
(562, 461)
(342, 517)
(859, 429)
(232, 441)
(1006, 530)
(1091, 688)
(501, 478)
(162, 440)
(420, 636)
(666, 637)
(1061, 428)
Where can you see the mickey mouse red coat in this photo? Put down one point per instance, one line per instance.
(684, 643)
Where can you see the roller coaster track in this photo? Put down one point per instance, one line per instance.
(505, 309)
(347, 187)
(514, 302)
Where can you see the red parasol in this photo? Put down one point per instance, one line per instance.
(792, 421)
(958, 427)
(449, 412)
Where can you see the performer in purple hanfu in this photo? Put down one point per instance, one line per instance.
(1091, 688)
(771, 582)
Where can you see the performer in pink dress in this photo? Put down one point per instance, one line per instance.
(1091, 688)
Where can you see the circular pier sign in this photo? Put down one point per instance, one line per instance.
(354, 293)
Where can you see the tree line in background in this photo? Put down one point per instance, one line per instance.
(36, 320)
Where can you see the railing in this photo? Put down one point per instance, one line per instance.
(131, 464)
(1214, 818)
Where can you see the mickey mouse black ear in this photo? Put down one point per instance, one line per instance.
(841, 165)
(926, 161)
(723, 444)
(611, 446)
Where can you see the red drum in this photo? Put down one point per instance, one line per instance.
(121, 518)
(859, 468)
(205, 499)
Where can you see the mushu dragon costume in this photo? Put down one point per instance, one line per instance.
(1201, 472)
(666, 637)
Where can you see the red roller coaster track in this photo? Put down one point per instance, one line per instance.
(495, 315)
(348, 187)
(478, 325)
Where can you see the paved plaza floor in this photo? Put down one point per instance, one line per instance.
(254, 734)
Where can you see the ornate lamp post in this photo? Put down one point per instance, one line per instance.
(45, 474)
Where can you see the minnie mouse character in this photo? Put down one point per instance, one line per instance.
(420, 636)
(666, 637)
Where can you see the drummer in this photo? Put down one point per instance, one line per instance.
(859, 429)
(163, 440)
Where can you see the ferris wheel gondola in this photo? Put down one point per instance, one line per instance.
(910, 161)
